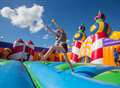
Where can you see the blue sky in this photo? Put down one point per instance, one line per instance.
(68, 13)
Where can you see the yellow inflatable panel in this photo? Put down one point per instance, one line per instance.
(115, 35)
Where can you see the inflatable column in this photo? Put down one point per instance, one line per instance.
(76, 51)
(97, 48)
(78, 39)
(86, 49)
(99, 30)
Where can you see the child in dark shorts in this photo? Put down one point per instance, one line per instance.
(60, 43)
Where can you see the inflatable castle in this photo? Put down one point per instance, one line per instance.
(97, 48)
(100, 44)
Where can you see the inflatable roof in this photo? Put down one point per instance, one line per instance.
(9, 45)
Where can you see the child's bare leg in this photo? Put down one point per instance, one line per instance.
(69, 63)
(49, 52)
(65, 57)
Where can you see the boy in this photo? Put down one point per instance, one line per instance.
(60, 43)
(116, 57)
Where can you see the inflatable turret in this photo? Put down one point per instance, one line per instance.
(99, 31)
(19, 50)
(79, 37)
(100, 25)
(30, 49)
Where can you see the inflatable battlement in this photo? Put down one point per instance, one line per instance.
(21, 51)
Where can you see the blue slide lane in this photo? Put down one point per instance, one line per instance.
(49, 78)
(91, 71)
(55, 64)
(14, 75)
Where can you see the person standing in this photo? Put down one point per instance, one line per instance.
(116, 57)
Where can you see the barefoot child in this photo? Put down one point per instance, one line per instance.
(60, 43)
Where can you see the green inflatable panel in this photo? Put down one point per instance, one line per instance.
(4, 62)
(2, 59)
(110, 76)
(63, 67)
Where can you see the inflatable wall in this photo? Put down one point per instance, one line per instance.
(108, 50)
(86, 49)
(23, 51)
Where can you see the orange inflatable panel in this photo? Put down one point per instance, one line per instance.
(108, 51)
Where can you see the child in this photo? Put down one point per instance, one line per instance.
(116, 57)
(60, 43)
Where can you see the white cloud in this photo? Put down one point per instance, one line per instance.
(7, 12)
(25, 17)
(46, 36)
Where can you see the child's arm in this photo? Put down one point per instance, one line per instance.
(57, 25)
(49, 29)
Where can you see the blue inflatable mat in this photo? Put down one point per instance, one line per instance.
(49, 78)
(13, 75)
(91, 71)
(55, 64)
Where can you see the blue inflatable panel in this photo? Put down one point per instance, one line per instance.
(51, 79)
(91, 71)
(40, 48)
(14, 75)
(5, 44)
(55, 64)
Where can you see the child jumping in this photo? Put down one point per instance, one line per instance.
(60, 43)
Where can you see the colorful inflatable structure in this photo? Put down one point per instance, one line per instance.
(99, 31)
(24, 51)
(108, 50)
(19, 50)
(94, 47)
(15, 74)
(87, 53)
(78, 39)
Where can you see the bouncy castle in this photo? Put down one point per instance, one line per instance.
(95, 48)
(91, 56)
(95, 45)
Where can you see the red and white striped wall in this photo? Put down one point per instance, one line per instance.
(97, 48)
(76, 51)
